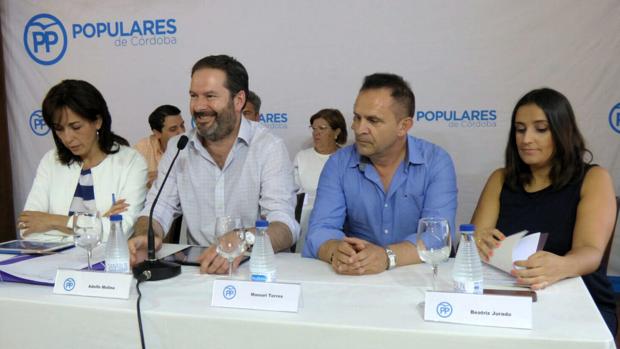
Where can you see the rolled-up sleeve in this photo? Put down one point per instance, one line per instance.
(329, 212)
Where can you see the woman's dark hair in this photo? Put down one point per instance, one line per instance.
(567, 162)
(335, 120)
(86, 101)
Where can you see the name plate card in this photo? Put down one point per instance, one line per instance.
(92, 283)
(475, 309)
(243, 294)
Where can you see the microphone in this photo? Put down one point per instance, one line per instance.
(153, 269)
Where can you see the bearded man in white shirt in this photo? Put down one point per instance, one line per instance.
(230, 167)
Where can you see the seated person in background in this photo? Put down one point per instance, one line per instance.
(329, 132)
(166, 122)
(372, 194)
(251, 111)
(230, 167)
(546, 186)
(89, 165)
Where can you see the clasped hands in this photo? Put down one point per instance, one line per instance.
(540, 270)
(353, 256)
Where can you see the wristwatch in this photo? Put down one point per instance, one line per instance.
(391, 258)
(249, 238)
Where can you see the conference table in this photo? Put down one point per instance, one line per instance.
(337, 311)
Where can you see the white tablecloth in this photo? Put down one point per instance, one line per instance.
(376, 311)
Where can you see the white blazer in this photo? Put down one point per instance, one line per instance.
(123, 173)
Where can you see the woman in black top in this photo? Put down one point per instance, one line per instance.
(547, 186)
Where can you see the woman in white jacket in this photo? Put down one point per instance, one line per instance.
(89, 165)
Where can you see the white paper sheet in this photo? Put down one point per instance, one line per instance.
(514, 248)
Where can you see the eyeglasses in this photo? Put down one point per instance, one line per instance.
(322, 128)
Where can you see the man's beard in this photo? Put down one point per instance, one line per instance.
(222, 126)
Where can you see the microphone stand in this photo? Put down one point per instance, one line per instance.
(153, 269)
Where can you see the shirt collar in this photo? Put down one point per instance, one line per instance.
(245, 131)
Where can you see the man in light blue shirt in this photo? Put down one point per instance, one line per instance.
(372, 194)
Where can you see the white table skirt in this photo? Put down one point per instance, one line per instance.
(376, 311)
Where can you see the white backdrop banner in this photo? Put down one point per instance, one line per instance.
(468, 63)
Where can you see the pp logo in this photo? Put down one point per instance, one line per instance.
(37, 124)
(69, 284)
(229, 292)
(614, 118)
(45, 39)
(444, 309)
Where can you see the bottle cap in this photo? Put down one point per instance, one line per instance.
(262, 223)
(467, 228)
(116, 218)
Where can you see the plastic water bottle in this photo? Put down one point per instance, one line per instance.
(467, 272)
(116, 251)
(262, 259)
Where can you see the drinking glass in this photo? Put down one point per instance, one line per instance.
(230, 237)
(87, 230)
(434, 243)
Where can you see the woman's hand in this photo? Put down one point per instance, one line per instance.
(487, 240)
(119, 207)
(541, 270)
(30, 222)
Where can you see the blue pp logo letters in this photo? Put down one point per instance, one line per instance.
(614, 118)
(69, 284)
(45, 39)
(37, 123)
(444, 309)
(229, 292)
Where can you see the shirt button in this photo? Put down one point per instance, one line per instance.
(386, 205)
(385, 231)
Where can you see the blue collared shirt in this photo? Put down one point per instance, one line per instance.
(351, 200)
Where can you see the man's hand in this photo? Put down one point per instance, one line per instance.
(353, 256)
(342, 256)
(370, 258)
(138, 248)
(212, 263)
